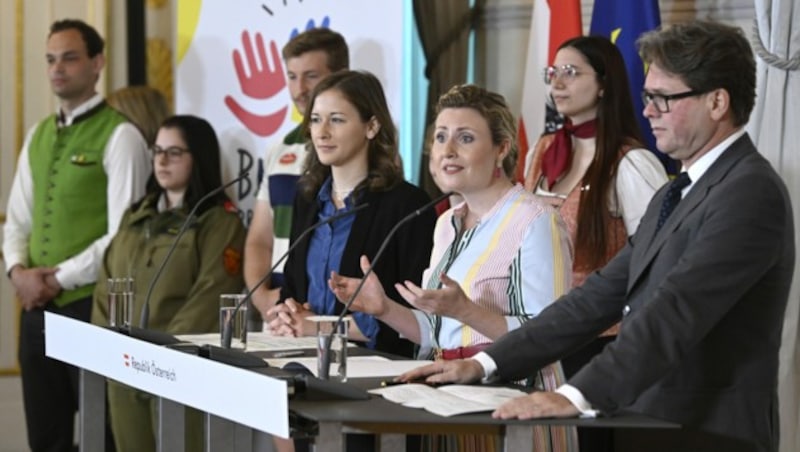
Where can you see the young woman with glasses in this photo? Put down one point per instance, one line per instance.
(205, 264)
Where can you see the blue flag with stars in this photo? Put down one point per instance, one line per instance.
(623, 21)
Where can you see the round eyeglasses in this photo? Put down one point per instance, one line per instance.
(566, 73)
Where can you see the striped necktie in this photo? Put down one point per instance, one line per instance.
(672, 198)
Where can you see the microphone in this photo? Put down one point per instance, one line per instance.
(145, 316)
(325, 363)
(227, 328)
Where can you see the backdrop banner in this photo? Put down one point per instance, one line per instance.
(229, 69)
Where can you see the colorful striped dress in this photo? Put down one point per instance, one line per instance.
(515, 261)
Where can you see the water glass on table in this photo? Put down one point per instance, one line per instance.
(334, 353)
(233, 318)
(120, 302)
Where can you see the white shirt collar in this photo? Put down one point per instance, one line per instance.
(161, 205)
(67, 119)
(702, 164)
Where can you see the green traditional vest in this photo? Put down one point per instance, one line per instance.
(69, 189)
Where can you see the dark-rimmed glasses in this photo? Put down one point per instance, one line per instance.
(661, 101)
(173, 152)
(566, 73)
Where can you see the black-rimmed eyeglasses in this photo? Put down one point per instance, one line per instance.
(172, 152)
(661, 101)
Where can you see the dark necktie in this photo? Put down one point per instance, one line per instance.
(672, 198)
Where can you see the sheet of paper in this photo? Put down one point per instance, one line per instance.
(266, 341)
(258, 341)
(448, 400)
(358, 366)
(490, 395)
(404, 393)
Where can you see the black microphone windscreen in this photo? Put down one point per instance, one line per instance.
(151, 336)
(232, 357)
(313, 388)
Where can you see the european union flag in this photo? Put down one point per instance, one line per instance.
(623, 21)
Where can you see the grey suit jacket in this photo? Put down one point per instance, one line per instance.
(701, 304)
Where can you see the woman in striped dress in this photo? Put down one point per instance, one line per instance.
(499, 257)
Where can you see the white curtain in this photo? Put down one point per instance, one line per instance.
(775, 127)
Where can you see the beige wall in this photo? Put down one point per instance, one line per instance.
(8, 134)
(25, 98)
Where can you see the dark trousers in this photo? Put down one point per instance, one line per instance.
(361, 442)
(49, 387)
(680, 440)
(590, 439)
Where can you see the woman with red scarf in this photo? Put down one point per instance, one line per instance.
(593, 170)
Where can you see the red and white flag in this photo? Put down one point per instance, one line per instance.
(552, 23)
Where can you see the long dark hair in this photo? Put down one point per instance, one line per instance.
(365, 93)
(201, 140)
(617, 129)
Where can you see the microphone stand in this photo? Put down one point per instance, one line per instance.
(227, 327)
(325, 363)
(145, 315)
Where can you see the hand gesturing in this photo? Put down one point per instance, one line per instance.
(372, 298)
(449, 301)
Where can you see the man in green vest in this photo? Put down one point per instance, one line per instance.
(79, 169)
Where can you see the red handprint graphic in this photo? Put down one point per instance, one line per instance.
(259, 82)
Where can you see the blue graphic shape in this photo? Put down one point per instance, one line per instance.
(325, 23)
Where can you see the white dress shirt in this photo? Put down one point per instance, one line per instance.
(639, 176)
(127, 166)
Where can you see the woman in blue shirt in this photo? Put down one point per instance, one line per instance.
(352, 160)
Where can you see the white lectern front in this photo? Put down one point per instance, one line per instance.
(241, 396)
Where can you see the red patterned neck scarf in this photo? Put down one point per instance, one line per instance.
(558, 156)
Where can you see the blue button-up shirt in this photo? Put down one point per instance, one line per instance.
(325, 255)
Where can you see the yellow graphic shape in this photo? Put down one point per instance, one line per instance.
(615, 34)
(296, 115)
(188, 16)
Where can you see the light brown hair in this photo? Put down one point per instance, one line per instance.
(145, 107)
(324, 39)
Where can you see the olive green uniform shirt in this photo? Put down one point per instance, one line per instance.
(207, 262)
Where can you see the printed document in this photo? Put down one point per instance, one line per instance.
(448, 400)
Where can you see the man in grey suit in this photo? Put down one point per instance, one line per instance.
(700, 290)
